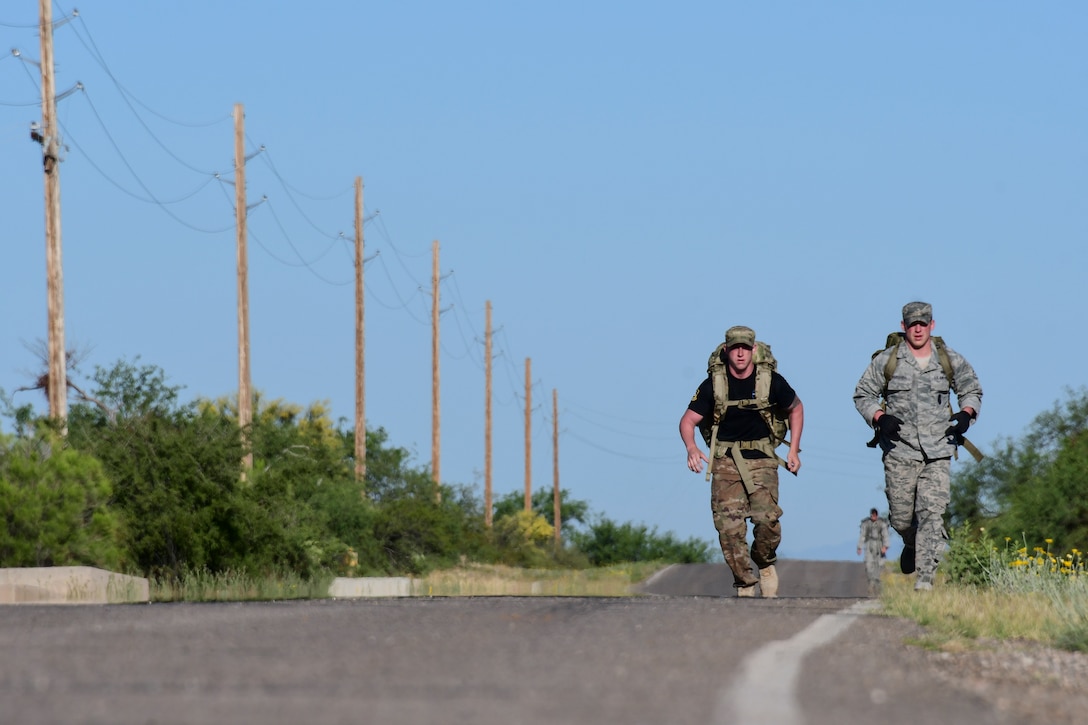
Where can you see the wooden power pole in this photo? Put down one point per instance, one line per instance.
(57, 387)
(528, 437)
(555, 464)
(245, 397)
(436, 418)
(487, 415)
(360, 342)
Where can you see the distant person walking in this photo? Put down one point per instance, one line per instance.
(743, 409)
(873, 541)
(904, 394)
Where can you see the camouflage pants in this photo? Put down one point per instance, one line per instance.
(918, 494)
(874, 565)
(732, 506)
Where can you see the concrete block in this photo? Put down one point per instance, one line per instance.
(347, 587)
(70, 585)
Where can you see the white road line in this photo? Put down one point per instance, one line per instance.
(653, 578)
(764, 693)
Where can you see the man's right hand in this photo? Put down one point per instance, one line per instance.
(696, 459)
(889, 426)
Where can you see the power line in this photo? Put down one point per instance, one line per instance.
(92, 49)
(302, 254)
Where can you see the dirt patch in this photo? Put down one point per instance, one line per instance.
(1027, 682)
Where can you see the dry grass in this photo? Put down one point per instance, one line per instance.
(202, 585)
(478, 580)
(470, 580)
(955, 615)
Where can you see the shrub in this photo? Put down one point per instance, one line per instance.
(607, 543)
(525, 539)
(53, 501)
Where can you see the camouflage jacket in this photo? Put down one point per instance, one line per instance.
(920, 398)
(874, 531)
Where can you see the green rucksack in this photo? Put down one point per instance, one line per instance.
(893, 340)
(777, 422)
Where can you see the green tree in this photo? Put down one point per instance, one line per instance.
(607, 543)
(53, 501)
(1055, 506)
(542, 504)
(175, 470)
(1033, 488)
(303, 483)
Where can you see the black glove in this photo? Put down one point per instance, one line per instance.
(962, 421)
(888, 425)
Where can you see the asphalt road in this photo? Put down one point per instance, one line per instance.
(796, 579)
(682, 654)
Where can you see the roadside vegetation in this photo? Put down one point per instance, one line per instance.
(1014, 568)
(616, 580)
(147, 484)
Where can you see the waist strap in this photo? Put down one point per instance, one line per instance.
(734, 450)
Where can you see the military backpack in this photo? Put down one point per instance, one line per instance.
(776, 420)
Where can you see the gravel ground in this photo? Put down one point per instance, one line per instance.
(1027, 681)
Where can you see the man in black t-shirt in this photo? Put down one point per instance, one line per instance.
(747, 489)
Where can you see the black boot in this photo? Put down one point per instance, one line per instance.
(906, 560)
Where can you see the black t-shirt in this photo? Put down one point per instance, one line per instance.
(737, 424)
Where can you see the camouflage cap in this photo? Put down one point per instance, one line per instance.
(917, 312)
(740, 335)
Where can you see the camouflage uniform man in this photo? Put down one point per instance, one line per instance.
(732, 500)
(917, 434)
(873, 540)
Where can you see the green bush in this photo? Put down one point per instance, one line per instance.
(165, 483)
(53, 501)
(572, 512)
(607, 543)
(525, 539)
(416, 533)
(970, 556)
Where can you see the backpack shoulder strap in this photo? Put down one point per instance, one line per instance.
(893, 340)
(715, 369)
(945, 360)
(765, 366)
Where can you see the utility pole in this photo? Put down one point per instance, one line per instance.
(555, 464)
(57, 387)
(436, 419)
(487, 415)
(528, 437)
(360, 343)
(245, 397)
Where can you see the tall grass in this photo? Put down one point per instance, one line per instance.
(202, 585)
(988, 591)
(474, 580)
(469, 580)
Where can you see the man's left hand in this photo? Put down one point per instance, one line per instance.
(961, 422)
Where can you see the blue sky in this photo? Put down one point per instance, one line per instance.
(621, 180)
